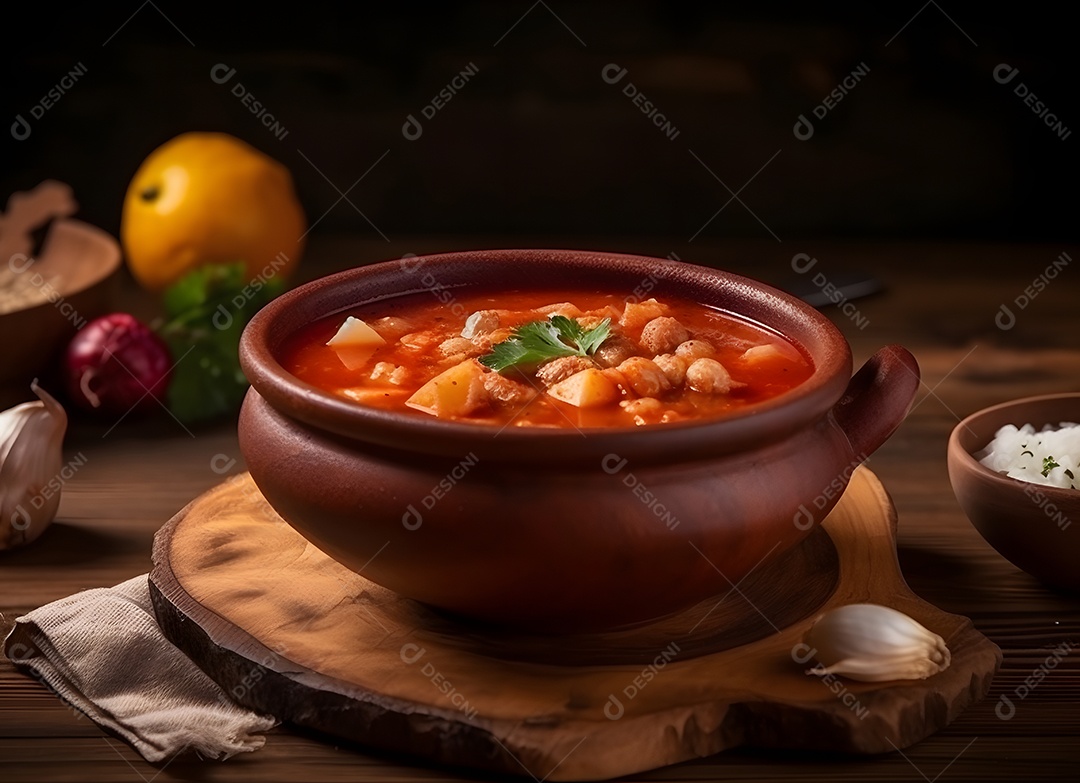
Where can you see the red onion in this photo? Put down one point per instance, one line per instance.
(115, 364)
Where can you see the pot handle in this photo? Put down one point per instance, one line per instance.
(877, 399)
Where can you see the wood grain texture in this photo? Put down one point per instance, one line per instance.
(288, 631)
(940, 301)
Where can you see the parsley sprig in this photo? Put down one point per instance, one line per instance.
(1049, 463)
(538, 341)
(205, 313)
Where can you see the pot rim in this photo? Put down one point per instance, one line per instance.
(814, 334)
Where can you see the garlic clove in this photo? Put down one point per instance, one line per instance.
(873, 643)
(31, 437)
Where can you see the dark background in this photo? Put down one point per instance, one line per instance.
(927, 146)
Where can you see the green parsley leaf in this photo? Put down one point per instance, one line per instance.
(207, 311)
(195, 289)
(1048, 465)
(538, 341)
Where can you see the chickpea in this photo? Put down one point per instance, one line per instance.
(673, 366)
(696, 349)
(708, 376)
(663, 334)
(644, 377)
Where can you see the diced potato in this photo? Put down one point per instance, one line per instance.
(586, 389)
(354, 333)
(354, 356)
(637, 314)
(589, 321)
(457, 391)
(607, 311)
(569, 309)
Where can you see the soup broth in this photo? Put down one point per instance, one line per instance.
(578, 359)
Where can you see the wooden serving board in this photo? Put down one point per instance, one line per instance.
(290, 632)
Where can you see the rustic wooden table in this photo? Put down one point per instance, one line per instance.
(940, 301)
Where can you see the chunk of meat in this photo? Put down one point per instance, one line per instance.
(645, 410)
(642, 406)
(555, 370)
(507, 390)
(421, 341)
(636, 314)
(644, 376)
(710, 377)
(674, 367)
(391, 327)
(663, 335)
(388, 372)
(616, 377)
(696, 349)
(459, 346)
(615, 350)
(480, 322)
(485, 341)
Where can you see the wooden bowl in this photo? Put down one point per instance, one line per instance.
(554, 530)
(83, 258)
(1035, 527)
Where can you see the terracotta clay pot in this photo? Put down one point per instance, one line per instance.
(556, 530)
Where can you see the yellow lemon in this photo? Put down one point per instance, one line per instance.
(209, 198)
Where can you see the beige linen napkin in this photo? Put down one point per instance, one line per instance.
(103, 652)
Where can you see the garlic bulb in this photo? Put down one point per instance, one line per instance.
(31, 435)
(874, 643)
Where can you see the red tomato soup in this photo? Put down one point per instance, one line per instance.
(546, 359)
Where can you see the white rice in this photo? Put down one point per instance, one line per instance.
(1048, 457)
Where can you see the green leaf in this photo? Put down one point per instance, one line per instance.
(592, 339)
(197, 288)
(207, 311)
(207, 382)
(1049, 464)
(537, 341)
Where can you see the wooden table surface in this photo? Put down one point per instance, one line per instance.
(939, 300)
